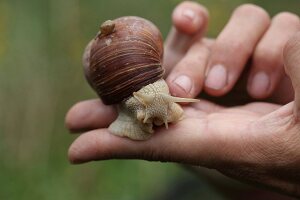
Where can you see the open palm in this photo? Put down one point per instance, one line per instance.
(256, 142)
(238, 141)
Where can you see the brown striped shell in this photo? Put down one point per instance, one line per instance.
(124, 57)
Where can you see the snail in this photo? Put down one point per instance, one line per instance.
(123, 64)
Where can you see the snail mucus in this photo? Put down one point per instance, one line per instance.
(123, 64)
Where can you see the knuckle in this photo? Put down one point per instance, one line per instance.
(251, 9)
(287, 17)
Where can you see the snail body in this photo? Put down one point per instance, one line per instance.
(123, 64)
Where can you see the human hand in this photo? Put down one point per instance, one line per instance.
(251, 43)
(257, 142)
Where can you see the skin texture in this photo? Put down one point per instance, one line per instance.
(256, 142)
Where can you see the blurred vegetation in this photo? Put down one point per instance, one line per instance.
(41, 42)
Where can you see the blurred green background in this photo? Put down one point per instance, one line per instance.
(41, 43)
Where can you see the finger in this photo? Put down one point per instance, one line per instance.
(291, 56)
(233, 48)
(189, 23)
(267, 65)
(197, 139)
(100, 145)
(88, 115)
(186, 79)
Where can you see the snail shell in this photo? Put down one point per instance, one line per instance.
(124, 57)
(123, 64)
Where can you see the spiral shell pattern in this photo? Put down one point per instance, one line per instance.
(125, 59)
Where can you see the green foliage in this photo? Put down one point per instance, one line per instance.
(41, 44)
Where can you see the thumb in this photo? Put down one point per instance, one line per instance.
(291, 56)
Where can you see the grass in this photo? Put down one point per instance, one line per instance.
(41, 43)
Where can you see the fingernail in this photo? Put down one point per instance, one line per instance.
(192, 16)
(216, 78)
(184, 82)
(189, 14)
(260, 83)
